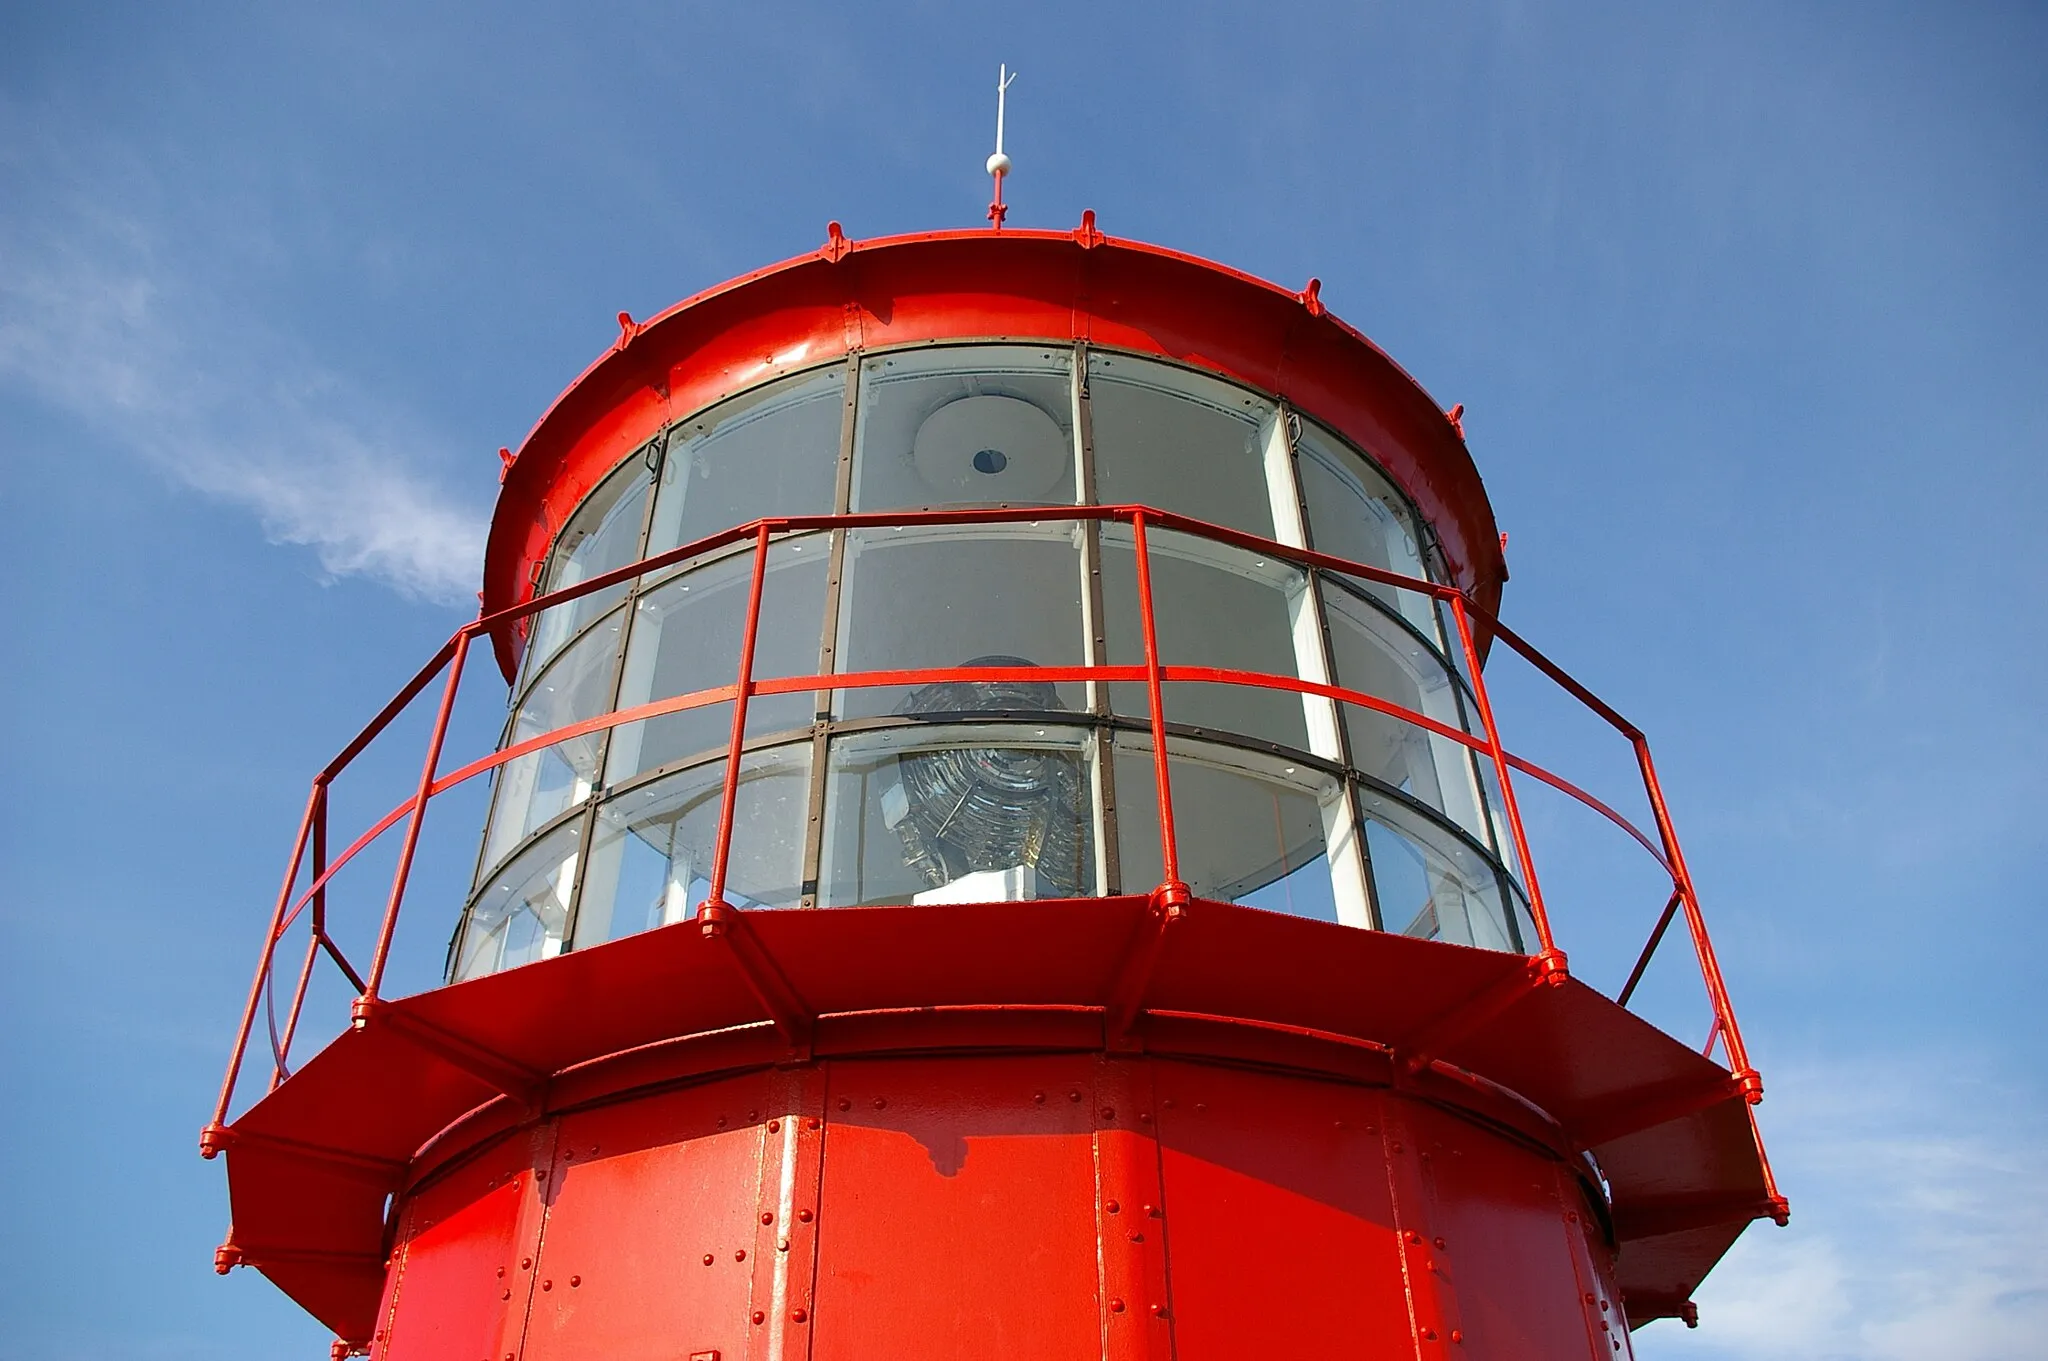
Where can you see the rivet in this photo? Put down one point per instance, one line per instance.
(798, 1315)
(722, 1122)
(1137, 1238)
(709, 1259)
(1158, 1311)
(1397, 1145)
(1457, 1335)
(1152, 1212)
(1144, 1117)
(1074, 1095)
(1414, 1237)
(775, 1127)
(501, 1273)
(575, 1281)
(1589, 1297)
(880, 1102)
(1439, 1241)
(759, 1317)
(803, 1216)
(767, 1216)
(752, 1116)
(1340, 1124)
(547, 1285)
(782, 1245)
(1109, 1112)
(541, 1175)
(740, 1256)
(506, 1295)
(1116, 1306)
(1572, 1218)
(1112, 1206)
(845, 1103)
(1429, 1334)
(1168, 1103)
(1039, 1097)
(1603, 1306)
(1201, 1105)
(814, 1123)
(526, 1264)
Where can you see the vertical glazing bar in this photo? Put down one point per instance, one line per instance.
(1169, 855)
(207, 1146)
(364, 1003)
(1703, 947)
(729, 795)
(1500, 770)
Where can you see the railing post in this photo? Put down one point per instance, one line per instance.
(714, 908)
(1172, 892)
(1544, 937)
(317, 932)
(210, 1139)
(1710, 966)
(367, 1002)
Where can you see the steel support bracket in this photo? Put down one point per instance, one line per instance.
(1646, 1109)
(1166, 905)
(522, 1085)
(1422, 1046)
(792, 1017)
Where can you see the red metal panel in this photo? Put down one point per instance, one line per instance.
(462, 1269)
(956, 1215)
(650, 1248)
(1138, 1318)
(1502, 1233)
(1281, 1226)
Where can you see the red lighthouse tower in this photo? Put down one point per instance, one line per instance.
(1000, 848)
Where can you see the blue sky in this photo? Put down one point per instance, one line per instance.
(1744, 303)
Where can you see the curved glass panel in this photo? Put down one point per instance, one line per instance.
(686, 637)
(1212, 605)
(1354, 512)
(965, 426)
(1247, 829)
(1430, 883)
(603, 534)
(523, 913)
(651, 856)
(1372, 653)
(772, 451)
(1180, 441)
(952, 595)
(976, 813)
(533, 789)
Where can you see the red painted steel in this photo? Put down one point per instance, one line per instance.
(1134, 1127)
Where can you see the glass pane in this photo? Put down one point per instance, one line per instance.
(1213, 605)
(1180, 441)
(686, 637)
(1246, 831)
(980, 425)
(772, 451)
(989, 813)
(947, 596)
(533, 789)
(650, 860)
(521, 914)
(1355, 513)
(603, 534)
(1373, 654)
(1429, 883)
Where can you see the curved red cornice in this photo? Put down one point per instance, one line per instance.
(960, 285)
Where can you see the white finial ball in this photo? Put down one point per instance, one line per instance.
(999, 164)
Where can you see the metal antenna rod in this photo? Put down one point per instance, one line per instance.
(999, 163)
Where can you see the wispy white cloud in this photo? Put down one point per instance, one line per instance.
(96, 321)
(1918, 1200)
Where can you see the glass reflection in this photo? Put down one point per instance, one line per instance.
(651, 857)
(1355, 513)
(772, 451)
(1429, 883)
(1213, 605)
(1246, 831)
(994, 813)
(966, 426)
(935, 596)
(1180, 441)
(537, 787)
(521, 915)
(686, 638)
(604, 534)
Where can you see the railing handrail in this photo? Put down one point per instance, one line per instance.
(1154, 674)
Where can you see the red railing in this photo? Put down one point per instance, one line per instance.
(1154, 675)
